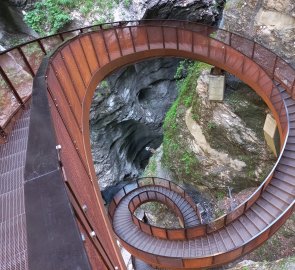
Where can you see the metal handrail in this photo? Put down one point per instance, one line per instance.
(147, 23)
(177, 211)
(122, 23)
(280, 110)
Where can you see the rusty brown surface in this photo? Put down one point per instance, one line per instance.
(77, 67)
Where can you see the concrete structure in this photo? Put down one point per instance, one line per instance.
(271, 134)
(216, 87)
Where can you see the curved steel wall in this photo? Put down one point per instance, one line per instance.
(73, 73)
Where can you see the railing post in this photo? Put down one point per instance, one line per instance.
(116, 34)
(230, 38)
(131, 35)
(147, 37)
(293, 86)
(253, 50)
(274, 67)
(26, 61)
(2, 132)
(163, 36)
(41, 46)
(61, 37)
(9, 83)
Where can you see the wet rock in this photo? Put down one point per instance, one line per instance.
(12, 27)
(273, 24)
(127, 116)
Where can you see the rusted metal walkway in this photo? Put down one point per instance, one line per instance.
(63, 88)
(13, 237)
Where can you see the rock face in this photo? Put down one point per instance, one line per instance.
(13, 30)
(273, 23)
(128, 117)
(206, 11)
(223, 141)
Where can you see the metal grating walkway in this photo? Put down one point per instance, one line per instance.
(13, 242)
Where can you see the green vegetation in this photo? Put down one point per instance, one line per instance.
(127, 3)
(151, 168)
(48, 16)
(185, 163)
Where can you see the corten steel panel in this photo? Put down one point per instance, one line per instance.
(175, 262)
(68, 117)
(217, 50)
(155, 37)
(227, 257)
(93, 256)
(197, 263)
(143, 197)
(159, 232)
(136, 221)
(253, 199)
(145, 228)
(160, 197)
(79, 56)
(112, 208)
(177, 189)
(265, 58)
(161, 182)
(119, 196)
(128, 188)
(89, 52)
(176, 234)
(136, 201)
(74, 72)
(256, 242)
(148, 257)
(195, 231)
(241, 44)
(235, 214)
(170, 35)
(216, 224)
(145, 181)
(80, 182)
(67, 87)
(140, 38)
(280, 222)
(125, 41)
(100, 48)
(286, 75)
(131, 206)
(200, 45)
(113, 43)
(236, 62)
(185, 40)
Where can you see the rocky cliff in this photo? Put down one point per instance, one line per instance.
(272, 23)
(129, 117)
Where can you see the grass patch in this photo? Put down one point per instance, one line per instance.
(47, 17)
(177, 156)
(151, 168)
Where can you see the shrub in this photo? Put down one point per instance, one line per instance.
(47, 16)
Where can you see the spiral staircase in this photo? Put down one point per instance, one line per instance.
(52, 214)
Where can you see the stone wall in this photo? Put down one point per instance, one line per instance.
(269, 22)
